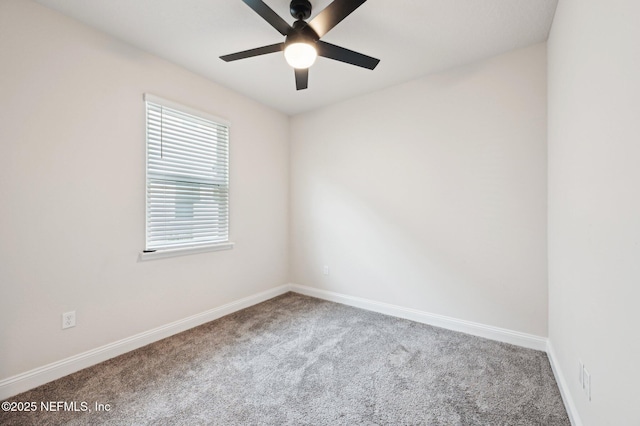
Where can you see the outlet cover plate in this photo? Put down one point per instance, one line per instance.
(581, 373)
(69, 319)
(587, 384)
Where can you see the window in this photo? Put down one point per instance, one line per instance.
(187, 179)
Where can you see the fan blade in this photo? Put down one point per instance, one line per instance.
(333, 14)
(253, 52)
(341, 54)
(269, 15)
(302, 78)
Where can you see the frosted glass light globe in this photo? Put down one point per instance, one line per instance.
(300, 55)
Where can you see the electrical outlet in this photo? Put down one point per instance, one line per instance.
(586, 380)
(69, 319)
(581, 373)
(325, 269)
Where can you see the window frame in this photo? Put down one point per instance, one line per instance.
(163, 252)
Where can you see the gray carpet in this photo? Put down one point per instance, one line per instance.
(297, 360)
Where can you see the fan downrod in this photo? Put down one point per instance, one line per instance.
(300, 9)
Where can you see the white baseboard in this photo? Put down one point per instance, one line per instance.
(41, 375)
(494, 333)
(563, 386)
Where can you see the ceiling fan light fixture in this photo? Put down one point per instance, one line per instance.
(302, 44)
(300, 55)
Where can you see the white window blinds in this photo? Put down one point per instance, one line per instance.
(187, 177)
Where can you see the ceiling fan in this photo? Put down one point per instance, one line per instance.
(302, 44)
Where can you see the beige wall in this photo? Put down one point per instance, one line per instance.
(594, 204)
(72, 158)
(430, 195)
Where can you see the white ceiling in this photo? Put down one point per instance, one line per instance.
(412, 38)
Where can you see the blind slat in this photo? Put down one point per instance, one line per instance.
(161, 127)
(162, 132)
(172, 112)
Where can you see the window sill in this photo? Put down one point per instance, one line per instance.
(183, 251)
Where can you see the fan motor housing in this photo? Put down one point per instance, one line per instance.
(300, 9)
(302, 33)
